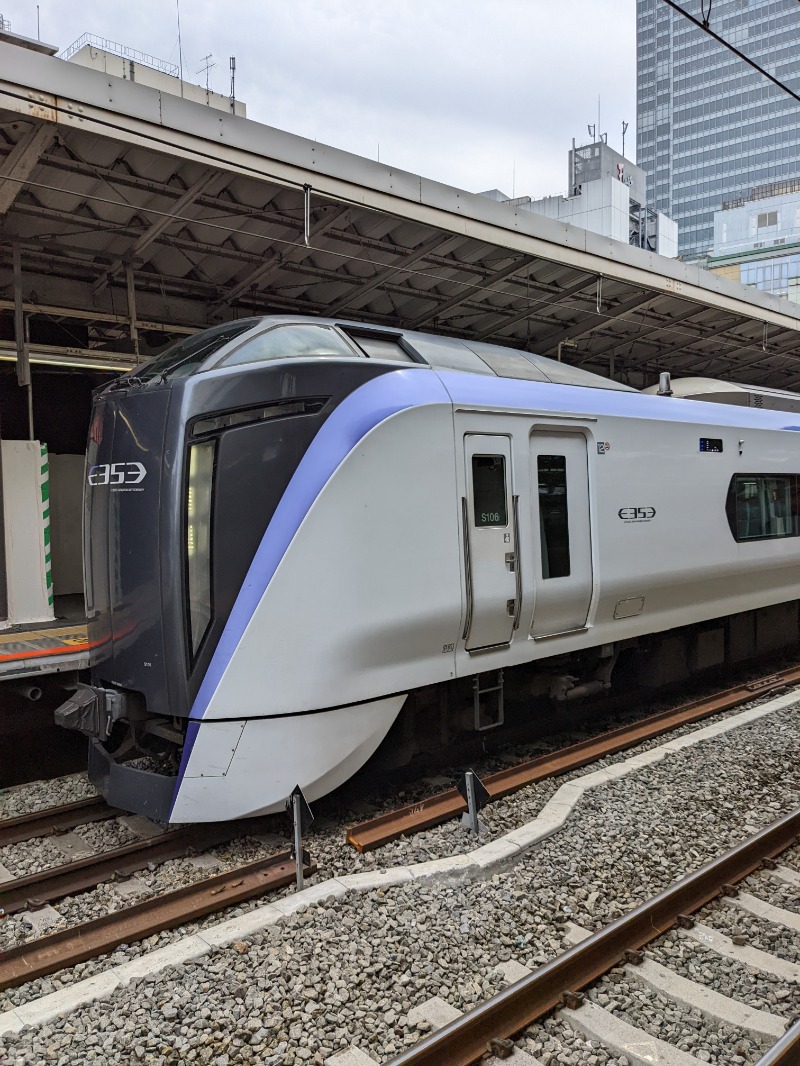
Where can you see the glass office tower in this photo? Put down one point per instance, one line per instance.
(709, 127)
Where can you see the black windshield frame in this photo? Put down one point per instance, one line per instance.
(189, 354)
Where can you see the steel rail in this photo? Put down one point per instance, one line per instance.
(53, 819)
(434, 810)
(58, 951)
(35, 889)
(786, 1052)
(465, 1040)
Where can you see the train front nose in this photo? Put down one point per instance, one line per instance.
(125, 709)
(123, 520)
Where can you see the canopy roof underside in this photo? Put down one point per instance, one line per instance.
(141, 218)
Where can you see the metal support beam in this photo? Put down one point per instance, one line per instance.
(390, 270)
(532, 312)
(131, 290)
(94, 316)
(604, 320)
(163, 222)
(466, 291)
(664, 327)
(721, 336)
(263, 274)
(21, 338)
(20, 163)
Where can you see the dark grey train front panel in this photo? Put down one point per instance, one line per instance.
(258, 427)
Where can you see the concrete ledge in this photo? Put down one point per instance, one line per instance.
(190, 947)
(370, 880)
(495, 852)
(434, 867)
(39, 1011)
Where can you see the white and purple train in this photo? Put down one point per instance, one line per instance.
(294, 525)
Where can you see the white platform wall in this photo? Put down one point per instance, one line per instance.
(66, 517)
(27, 531)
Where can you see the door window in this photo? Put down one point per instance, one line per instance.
(553, 516)
(489, 490)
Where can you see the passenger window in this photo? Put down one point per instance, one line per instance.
(553, 517)
(489, 490)
(291, 342)
(763, 506)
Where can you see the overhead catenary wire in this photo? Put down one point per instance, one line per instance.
(704, 26)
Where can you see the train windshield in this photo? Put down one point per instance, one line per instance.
(296, 341)
(185, 357)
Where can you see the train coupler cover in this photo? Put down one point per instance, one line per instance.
(90, 710)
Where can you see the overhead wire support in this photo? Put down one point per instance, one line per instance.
(703, 25)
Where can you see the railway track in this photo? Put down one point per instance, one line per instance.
(67, 948)
(433, 810)
(86, 873)
(558, 984)
(55, 819)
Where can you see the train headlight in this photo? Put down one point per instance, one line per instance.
(198, 539)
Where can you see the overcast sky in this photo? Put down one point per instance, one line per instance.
(479, 94)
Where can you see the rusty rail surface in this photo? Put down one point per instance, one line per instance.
(786, 1052)
(433, 810)
(86, 873)
(52, 819)
(465, 1040)
(58, 951)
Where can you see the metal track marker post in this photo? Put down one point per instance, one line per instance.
(474, 793)
(302, 818)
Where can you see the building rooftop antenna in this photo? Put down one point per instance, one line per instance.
(207, 66)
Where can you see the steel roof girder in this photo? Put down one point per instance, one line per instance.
(264, 272)
(468, 290)
(21, 161)
(607, 318)
(528, 313)
(386, 271)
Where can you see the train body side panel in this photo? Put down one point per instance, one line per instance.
(662, 531)
(370, 584)
(370, 597)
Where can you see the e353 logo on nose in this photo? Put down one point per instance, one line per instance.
(636, 514)
(116, 474)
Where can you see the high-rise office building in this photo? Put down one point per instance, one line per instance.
(710, 127)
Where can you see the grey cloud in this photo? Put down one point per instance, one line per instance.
(461, 91)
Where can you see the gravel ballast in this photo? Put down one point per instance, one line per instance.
(349, 971)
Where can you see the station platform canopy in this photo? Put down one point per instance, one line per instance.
(135, 217)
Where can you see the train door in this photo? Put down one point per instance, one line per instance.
(489, 516)
(562, 548)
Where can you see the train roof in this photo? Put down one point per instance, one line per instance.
(218, 346)
(713, 390)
